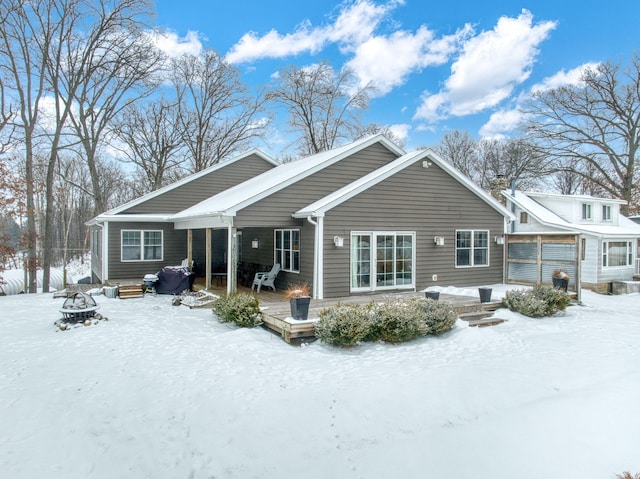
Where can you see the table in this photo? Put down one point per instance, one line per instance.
(219, 277)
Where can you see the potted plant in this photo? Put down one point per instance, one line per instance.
(560, 279)
(299, 297)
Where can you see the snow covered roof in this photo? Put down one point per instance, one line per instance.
(230, 201)
(526, 202)
(320, 207)
(188, 179)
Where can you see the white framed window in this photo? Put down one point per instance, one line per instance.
(524, 217)
(382, 260)
(617, 253)
(472, 248)
(606, 212)
(142, 245)
(586, 211)
(287, 250)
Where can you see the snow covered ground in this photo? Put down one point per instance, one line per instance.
(160, 391)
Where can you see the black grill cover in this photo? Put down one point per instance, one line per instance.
(174, 280)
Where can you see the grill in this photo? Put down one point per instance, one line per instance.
(78, 307)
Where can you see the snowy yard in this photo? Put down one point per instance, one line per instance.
(160, 391)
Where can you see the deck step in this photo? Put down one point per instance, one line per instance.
(130, 291)
(475, 315)
(480, 323)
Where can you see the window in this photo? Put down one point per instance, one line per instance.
(524, 217)
(472, 248)
(96, 243)
(606, 212)
(617, 253)
(586, 211)
(287, 250)
(140, 245)
(382, 260)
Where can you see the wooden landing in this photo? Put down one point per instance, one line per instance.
(290, 329)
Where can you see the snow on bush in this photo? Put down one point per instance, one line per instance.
(241, 308)
(394, 321)
(540, 301)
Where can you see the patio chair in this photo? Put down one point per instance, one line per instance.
(266, 278)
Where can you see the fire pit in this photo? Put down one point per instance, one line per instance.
(78, 307)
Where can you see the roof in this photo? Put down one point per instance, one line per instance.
(526, 202)
(320, 207)
(188, 179)
(230, 201)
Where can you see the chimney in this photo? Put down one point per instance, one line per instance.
(498, 184)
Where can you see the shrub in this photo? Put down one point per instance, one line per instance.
(344, 324)
(239, 308)
(398, 321)
(541, 300)
(439, 316)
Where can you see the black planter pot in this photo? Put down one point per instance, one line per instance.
(300, 307)
(560, 283)
(432, 295)
(485, 294)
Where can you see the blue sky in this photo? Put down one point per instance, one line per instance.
(437, 66)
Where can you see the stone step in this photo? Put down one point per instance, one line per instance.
(475, 315)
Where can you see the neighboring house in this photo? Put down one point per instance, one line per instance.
(608, 241)
(365, 217)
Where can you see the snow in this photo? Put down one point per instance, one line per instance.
(164, 391)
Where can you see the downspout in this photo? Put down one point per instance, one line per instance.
(318, 260)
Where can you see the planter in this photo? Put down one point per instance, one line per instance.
(560, 283)
(432, 294)
(300, 307)
(485, 295)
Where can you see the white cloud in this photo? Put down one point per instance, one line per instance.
(489, 67)
(174, 45)
(354, 25)
(572, 77)
(503, 121)
(386, 61)
(401, 130)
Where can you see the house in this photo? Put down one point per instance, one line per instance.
(365, 217)
(607, 241)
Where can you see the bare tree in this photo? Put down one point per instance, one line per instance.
(151, 135)
(323, 105)
(596, 123)
(374, 129)
(459, 149)
(218, 114)
(108, 68)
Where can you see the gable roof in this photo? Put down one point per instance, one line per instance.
(320, 207)
(230, 201)
(189, 179)
(526, 201)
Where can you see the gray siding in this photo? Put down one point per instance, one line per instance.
(204, 187)
(276, 210)
(175, 250)
(427, 201)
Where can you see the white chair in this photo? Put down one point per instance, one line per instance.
(266, 278)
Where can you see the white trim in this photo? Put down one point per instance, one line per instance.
(232, 200)
(320, 258)
(372, 261)
(275, 242)
(142, 246)
(105, 251)
(471, 255)
(347, 192)
(190, 178)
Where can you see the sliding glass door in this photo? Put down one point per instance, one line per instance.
(382, 260)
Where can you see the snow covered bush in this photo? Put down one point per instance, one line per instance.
(240, 308)
(344, 324)
(439, 316)
(398, 321)
(540, 301)
(394, 321)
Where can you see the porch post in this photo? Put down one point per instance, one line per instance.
(232, 260)
(189, 247)
(207, 255)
